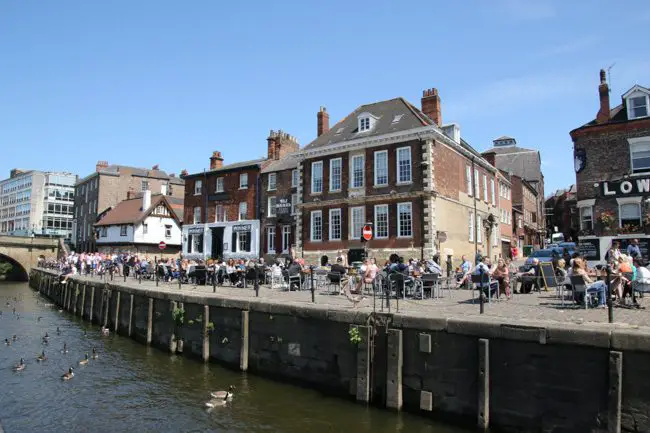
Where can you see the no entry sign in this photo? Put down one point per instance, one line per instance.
(367, 232)
(162, 245)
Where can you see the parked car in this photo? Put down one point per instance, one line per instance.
(545, 255)
(570, 246)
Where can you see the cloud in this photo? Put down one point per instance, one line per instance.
(529, 9)
(569, 47)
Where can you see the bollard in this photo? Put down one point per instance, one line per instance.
(140, 278)
(256, 284)
(214, 281)
(179, 278)
(124, 273)
(480, 295)
(608, 293)
(155, 260)
(311, 281)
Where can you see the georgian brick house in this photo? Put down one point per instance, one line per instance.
(422, 187)
(612, 197)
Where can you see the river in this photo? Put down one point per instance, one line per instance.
(134, 388)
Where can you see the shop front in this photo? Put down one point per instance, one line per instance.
(226, 240)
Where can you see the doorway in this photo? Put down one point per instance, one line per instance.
(217, 242)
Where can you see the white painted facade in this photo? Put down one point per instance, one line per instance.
(197, 239)
(157, 229)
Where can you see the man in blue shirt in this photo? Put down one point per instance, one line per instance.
(633, 249)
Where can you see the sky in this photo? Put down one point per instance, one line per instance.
(168, 82)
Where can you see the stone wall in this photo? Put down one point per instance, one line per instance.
(519, 377)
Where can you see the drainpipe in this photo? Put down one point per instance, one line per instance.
(472, 179)
(204, 191)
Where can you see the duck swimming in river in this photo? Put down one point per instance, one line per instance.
(94, 355)
(226, 395)
(20, 366)
(84, 361)
(7, 342)
(58, 331)
(69, 375)
(14, 338)
(41, 357)
(65, 348)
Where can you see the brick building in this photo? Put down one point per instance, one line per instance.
(525, 200)
(223, 205)
(422, 187)
(612, 197)
(562, 212)
(102, 190)
(507, 238)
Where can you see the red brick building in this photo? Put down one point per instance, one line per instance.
(612, 197)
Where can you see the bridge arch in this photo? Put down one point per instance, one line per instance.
(23, 252)
(18, 272)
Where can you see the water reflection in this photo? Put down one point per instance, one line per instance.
(131, 387)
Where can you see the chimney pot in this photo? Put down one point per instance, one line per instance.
(431, 105)
(604, 113)
(100, 165)
(323, 121)
(216, 160)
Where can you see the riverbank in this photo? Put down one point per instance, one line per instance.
(511, 375)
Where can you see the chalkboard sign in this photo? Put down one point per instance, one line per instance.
(548, 274)
(589, 249)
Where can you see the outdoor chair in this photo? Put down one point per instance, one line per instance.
(479, 283)
(334, 280)
(580, 290)
(397, 284)
(430, 282)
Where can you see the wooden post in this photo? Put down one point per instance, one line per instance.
(206, 333)
(483, 383)
(615, 394)
(172, 338)
(394, 370)
(92, 303)
(131, 316)
(363, 363)
(243, 354)
(83, 302)
(150, 321)
(117, 311)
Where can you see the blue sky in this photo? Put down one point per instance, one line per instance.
(167, 82)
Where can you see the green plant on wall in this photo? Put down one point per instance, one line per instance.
(190, 322)
(355, 336)
(210, 326)
(199, 318)
(178, 316)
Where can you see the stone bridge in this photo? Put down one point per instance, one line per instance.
(23, 252)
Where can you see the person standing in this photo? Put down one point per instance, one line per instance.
(633, 249)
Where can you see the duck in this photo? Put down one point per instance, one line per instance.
(84, 361)
(14, 337)
(41, 357)
(105, 331)
(7, 342)
(224, 395)
(38, 319)
(65, 348)
(69, 375)
(58, 331)
(94, 355)
(20, 366)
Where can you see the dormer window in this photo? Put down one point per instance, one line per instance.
(364, 124)
(637, 100)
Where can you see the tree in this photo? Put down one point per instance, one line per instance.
(5, 268)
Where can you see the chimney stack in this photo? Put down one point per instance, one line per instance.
(280, 144)
(431, 105)
(491, 158)
(146, 200)
(184, 173)
(216, 160)
(323, 121)
(101, 165)
(603, 91)
(156, 167)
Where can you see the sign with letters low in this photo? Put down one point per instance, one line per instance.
(625, 187)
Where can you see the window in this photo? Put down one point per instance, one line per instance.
(294, 203)
(357, 221)
(197, 215)
(144, 186)
(364, 124)
(356, 171)
(494, 198)
(404, 165)
(479, 236)
(586, 218)
(272, 180)
(404, 220)
(468, 180)
(485, 189)
(243, 242)
(243, 181)
(103, 232)
(638, 106)
(271, 206)
(381, 221)
(477, 187)
(286, 238)
(122, 230)
(220, 214)
(317, 177)
(198, 186)
(219, 187)
(381, 168)
(640, 154)
(316, 226)
(495, 236)
(270, 240)
(335, 224)
(243, 210)
(145, 229)
(294, 178)
(196, 241)
(168, 231)
(335, 174)
(630, 214)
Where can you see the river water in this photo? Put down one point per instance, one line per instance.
(133, 388)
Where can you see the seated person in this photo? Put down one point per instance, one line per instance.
(483, 268)
(501, 274)
(433, 265)
(294, 269)
(338, 268)
(599, 287)
(530, 278)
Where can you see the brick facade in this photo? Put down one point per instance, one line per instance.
(283, 191)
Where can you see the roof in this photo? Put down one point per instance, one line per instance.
(618, 114)
(393, 115)
(116, 170)
(503, 137)
(288, 162)
(130, 211)
(230, 167)
(522, 162)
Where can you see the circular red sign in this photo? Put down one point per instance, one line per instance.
(367, 233)
(162, 245)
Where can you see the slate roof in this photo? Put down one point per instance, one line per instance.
(385, 112)
(116, 170)
(130, 211)
(233, 166)
(288, 162)
(617, 114)
(522, 162)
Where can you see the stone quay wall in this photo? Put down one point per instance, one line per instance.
(488, 373)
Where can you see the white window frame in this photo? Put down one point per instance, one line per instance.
(622, 201)
(398, 181)
(286, 238)
(243, 181)
(333, 212)
(485, 189)
(313, 178)
(365, 124)
(196, 216)
(294, 203)
(145, 229)
(272, 186)
(376, 167)
(312, 217)
(294, 178)
(351, 234)
(221, 207)
(468, 180)
(123, 230)
(239, 211)
(471, 226)
(479, 229)
(271, 210)
(270, 239)
(399, 220)
(198, 187)
(168, 231)
(630, 108)
(583, 210)
(477, 184)
(332, 187)
(494, 197)
(363, 171)
(103, 232)
(638, 143)
(378, 208)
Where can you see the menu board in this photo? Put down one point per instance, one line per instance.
(589, 249)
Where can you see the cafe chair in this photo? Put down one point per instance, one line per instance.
(479, 283)
(580, 290)
(334, 280)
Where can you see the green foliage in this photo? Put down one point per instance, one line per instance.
(178, 315)
(190, 322)
(5, 268)
(199, 318)
(355, 336)
(210, 326)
